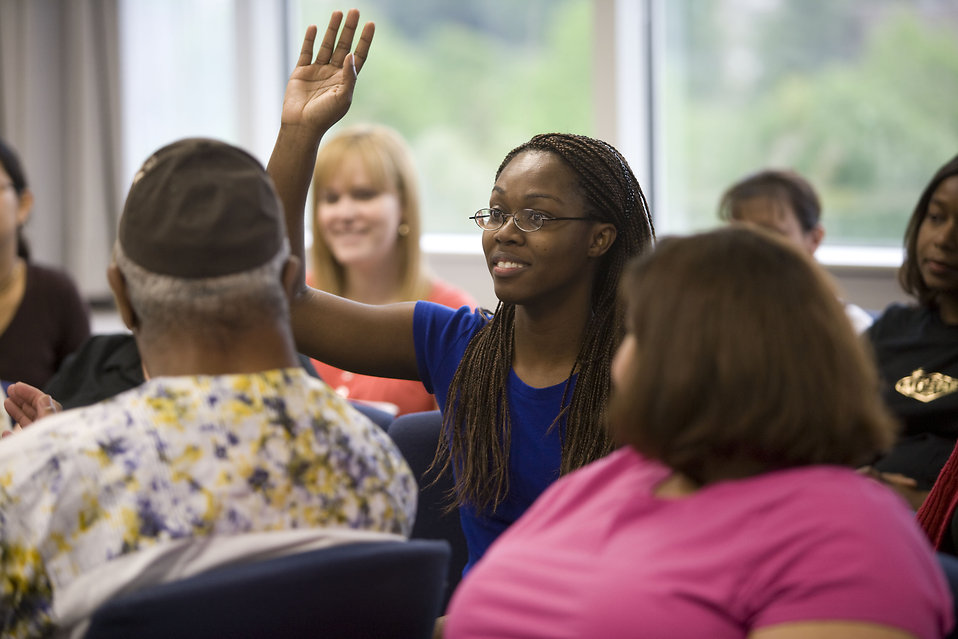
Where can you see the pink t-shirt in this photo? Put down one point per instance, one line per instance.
(400, 396)
(598, 555)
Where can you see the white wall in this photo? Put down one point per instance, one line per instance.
(872, 288)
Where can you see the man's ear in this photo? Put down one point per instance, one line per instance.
(603, 237)
(291, 275)
(118, 285)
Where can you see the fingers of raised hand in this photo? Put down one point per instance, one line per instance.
(362, 49)
(345, 38)
(325, 52)
(333, 51)
(306, 53)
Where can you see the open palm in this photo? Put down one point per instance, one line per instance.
(320, 90)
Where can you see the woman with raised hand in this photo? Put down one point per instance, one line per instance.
(744, 402)
(523, 391)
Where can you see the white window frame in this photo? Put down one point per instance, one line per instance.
(630, 33)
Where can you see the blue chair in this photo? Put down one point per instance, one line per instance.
(376, 589)
(417, 436)
(379, 417)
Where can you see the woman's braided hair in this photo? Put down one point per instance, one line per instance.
(476, 423)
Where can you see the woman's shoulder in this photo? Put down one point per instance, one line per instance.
(436, 314)
(898, 319)
(438, 324)
(48, 277)
(832, 500)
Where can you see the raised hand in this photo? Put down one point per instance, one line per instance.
(26, 404)
(318, 94)
(320, 90)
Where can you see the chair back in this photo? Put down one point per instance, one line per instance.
(417, 436)
(366, 589)
(379, 417)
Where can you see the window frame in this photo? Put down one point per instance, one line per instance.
(626, 93)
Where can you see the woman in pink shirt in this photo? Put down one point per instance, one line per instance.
(366, 228)
(744, 402)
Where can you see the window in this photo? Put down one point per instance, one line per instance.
(857, 96)
(464, 83)
(210, 68)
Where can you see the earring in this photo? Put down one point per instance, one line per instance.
(402, 230)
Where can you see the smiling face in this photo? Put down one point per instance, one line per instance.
(558, 260)
(937, 242)
(357, 218)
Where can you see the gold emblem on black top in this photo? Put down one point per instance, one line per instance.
(926, 387)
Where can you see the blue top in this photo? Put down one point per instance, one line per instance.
(535, 451)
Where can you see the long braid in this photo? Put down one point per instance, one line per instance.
(476, 419)
(476, 423)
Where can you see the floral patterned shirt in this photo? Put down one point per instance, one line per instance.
(185, 457)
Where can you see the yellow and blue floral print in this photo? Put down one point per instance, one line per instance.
(185, 457)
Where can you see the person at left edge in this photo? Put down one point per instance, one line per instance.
(42, 316)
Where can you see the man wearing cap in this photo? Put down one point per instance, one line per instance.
(228, 438)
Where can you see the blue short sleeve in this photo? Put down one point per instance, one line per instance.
(442, 335)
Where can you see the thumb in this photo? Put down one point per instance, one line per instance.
(349, 68)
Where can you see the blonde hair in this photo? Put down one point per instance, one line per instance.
(389, 164)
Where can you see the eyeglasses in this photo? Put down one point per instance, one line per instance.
(527, 220)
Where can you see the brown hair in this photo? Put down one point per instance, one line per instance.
(476, 421)
(909, 275)
(745, 361)
(388, 161)
(780, 185)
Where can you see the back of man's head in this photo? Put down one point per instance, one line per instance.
(201, 208)
(202, 242)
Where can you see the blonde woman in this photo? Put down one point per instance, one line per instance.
(366, 229)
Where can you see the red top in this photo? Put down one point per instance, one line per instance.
(396, 396)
